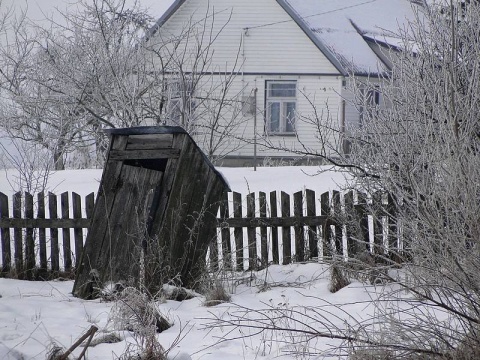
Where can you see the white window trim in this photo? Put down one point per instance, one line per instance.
(283, 101)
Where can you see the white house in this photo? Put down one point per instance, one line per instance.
(284, 66)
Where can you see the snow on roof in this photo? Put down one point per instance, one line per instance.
(341, 24)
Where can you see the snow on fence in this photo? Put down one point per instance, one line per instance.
(253, 230)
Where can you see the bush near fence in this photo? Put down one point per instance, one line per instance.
(253, 230)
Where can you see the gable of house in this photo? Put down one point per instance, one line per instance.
(258, 36)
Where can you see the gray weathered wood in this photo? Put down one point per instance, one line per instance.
(312, 229)
(5, 235)
(299, 233)
(67, 251)
(17, 236)
(274, 228)
(251, 233)
(77, 232)
(29, 241)
(262, 199)
(286, 234)
(238, 231)
(225, 233)
(54, 248)
(144, 154)
(42, 236)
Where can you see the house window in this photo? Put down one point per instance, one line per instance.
(182, 104)
(281, 103)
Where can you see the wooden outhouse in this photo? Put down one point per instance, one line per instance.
(155, 212)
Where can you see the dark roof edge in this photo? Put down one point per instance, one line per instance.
(330, 56)
(170, 11)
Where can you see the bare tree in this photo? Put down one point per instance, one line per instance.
(423, 149)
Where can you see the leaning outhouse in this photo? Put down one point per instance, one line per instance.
(155, 212)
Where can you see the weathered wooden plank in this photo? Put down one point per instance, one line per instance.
(89, 205)
(17, 236)
(312, 229)
(251, 233)
(67, 249)
(42, 236)
(361, 214)
(274, 228)
(96, 237)
(326, 230)
(29, 241)
(350, 223)
(286, 235)
(299, 233)
(5, 235)
(162, 140)
(238, 231)
(225, 233)
(378, 213)
(337, 213)
(14, 223)
(393, 240)
(54, 248)
(77, 232)
(262, 199)
(120, 155)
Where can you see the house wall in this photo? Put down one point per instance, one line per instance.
(259, 41)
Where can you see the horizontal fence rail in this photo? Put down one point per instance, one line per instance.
(253, 230)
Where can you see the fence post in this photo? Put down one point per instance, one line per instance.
(54, 248)
(377, 206)
(299, 234)
(238, 231)
(251, 233)
(42, 236)
(262, 198)
(312, 230)
(29, 240)
(17, 235)
(286, 236)
(274, 213)
(5, 235)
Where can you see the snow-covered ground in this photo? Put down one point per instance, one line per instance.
(34, 315)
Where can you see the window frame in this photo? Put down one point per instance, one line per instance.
(284, 101)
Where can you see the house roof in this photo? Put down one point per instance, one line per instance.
(342, 29)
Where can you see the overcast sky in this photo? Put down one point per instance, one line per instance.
(39, 9)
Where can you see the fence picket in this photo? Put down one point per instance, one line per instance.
(29, 240)
(326, 229)
(225, 233)
(286, 235)
(17, 235)
(312, 230)
(251, 233)
(274, 229)
(42, 235)
(298, 228)
(238, 231)
(77, 232)
(54, 248)
(5, 235)
(262, 199)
